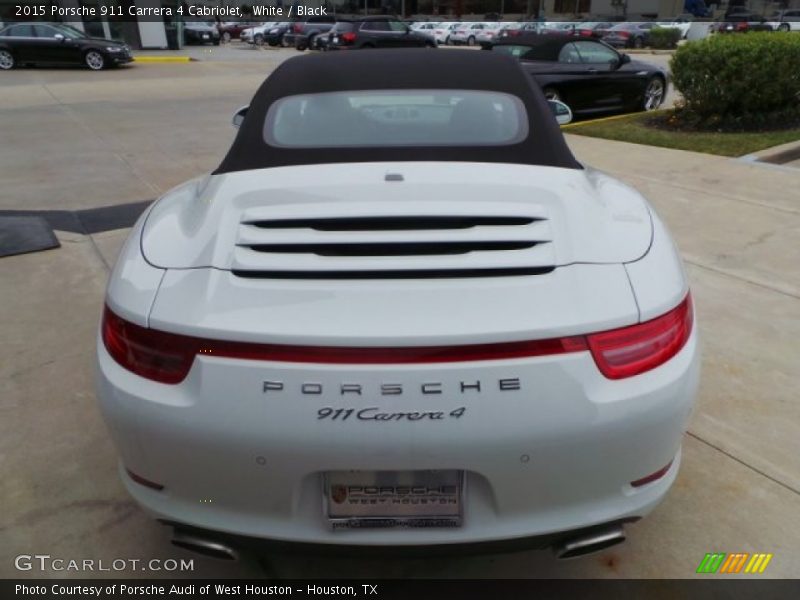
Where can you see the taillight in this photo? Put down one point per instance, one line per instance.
(349, 37)
(156, 355)
(297, 28)
(619, 353)
(623, 34)
(628, 351)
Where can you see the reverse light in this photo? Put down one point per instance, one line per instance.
(628, 351)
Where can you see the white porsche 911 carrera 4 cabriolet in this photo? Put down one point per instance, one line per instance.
(399, 314)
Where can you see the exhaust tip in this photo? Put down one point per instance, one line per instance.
(589, 544)
(204, 546)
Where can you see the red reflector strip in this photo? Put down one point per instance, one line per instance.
(167, 357)
(652, 477)
(145, 482)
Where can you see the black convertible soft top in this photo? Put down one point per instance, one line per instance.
(547, 46)
(414, 69)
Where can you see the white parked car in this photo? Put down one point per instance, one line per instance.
(399, 313)
(785, 20)
(682, 24)
(561, 26)
(489, 33)
(443, 32)
(467, 33)
(256, 35)
(426, 26)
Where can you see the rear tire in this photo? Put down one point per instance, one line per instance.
(226, 37)
(258, 39)
(784, 27)
(311, 42)
(471, 40)
(638, 42)
(551, 94)
(7, 61)
(94, 60)
(284, 42)
(654, 93)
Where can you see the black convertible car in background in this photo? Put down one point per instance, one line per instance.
(588, 75)
(57, 44)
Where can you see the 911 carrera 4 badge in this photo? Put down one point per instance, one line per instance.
(374, 413)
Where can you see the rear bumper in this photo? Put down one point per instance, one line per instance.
(555, 456)
(306, 549)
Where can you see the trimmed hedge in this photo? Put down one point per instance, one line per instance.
(664, 37)
(747, 80)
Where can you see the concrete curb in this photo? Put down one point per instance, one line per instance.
(777, 155)
(646, 51)
(163, 59)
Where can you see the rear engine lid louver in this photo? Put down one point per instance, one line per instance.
(393, 246)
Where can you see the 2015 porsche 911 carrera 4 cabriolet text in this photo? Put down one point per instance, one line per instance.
(399, 313)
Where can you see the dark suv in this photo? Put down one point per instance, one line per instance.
(303, 34)
(376, 32)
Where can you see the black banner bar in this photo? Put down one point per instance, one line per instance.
(484, 589)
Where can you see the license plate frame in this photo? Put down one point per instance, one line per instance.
(394, 499)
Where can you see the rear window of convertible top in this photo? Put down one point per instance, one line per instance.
(387, 118)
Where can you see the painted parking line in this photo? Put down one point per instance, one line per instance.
(603, 119)
(163, 59)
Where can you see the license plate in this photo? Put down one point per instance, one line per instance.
(205, 36)
(335, 39)
(367, 499)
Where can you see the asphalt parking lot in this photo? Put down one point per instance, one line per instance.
(76, 139)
